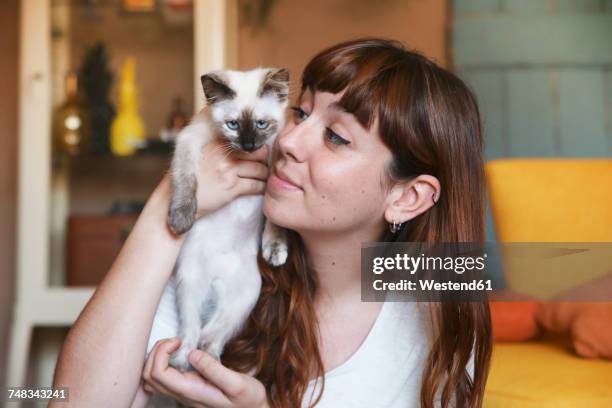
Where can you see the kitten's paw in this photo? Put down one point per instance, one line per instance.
(181, 219)
(275, 252)
(180, 359)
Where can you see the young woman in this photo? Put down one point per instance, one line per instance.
(380, 137)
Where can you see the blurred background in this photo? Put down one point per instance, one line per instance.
(93, 93)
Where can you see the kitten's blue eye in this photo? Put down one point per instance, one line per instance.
(335, 138)
(261, 124)
(232, 124)
(299, 113)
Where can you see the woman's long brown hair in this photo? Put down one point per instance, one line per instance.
(430, 121)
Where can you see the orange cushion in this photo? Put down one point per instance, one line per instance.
(588, 323)
(514, 321)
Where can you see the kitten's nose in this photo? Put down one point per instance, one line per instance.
(248, 146)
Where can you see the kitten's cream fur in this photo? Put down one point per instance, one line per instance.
(216, 281)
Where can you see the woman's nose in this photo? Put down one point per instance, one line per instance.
(292, 141)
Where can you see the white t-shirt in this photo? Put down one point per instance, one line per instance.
(387, 368)
(166, 322)
(385, 371)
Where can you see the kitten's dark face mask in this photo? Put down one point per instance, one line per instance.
(247, 109)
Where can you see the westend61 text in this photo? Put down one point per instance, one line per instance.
(430, 284)
(413, 264)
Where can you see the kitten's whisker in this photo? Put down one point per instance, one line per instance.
(228, 151)
(222, 148)
(215, 150)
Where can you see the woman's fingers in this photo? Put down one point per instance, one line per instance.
(247, 186)
(252, 175)
(251, 169)
(213, 385)
(229, 382)
(188, 387)
(192, 388)
(148, 388)
(224, 175)
(196, 388)
(146, 372)
(151, 383)
(260, 155)
(161, 359)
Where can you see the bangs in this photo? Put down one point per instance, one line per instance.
(366, 71)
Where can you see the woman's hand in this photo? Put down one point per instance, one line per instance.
(224, 175)
(212, 386)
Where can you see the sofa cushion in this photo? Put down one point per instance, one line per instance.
(546, 373)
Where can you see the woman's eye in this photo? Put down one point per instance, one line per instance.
(299, 113)
(261, 124)
(335, 138)
(232, 124)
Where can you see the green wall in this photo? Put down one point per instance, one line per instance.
(542, 72)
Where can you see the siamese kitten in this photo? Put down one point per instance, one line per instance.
(216, 281)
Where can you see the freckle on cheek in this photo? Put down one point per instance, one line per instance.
(334, 219)
(362, 191)
(323, 197)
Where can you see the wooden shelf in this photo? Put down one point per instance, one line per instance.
(95, 182)
(107, 168)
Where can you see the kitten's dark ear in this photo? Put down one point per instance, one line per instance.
(276, 82)
(215, 88)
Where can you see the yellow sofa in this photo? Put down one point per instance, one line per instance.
(549, 200)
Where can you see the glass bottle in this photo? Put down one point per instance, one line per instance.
(71, 121)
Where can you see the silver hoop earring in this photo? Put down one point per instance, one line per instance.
(394, 227)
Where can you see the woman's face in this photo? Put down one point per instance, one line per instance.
(333, 170)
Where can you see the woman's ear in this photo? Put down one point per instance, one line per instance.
(406, 200)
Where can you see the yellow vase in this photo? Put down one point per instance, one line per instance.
(127, 129)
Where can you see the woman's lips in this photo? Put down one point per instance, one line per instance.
(280, 180)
